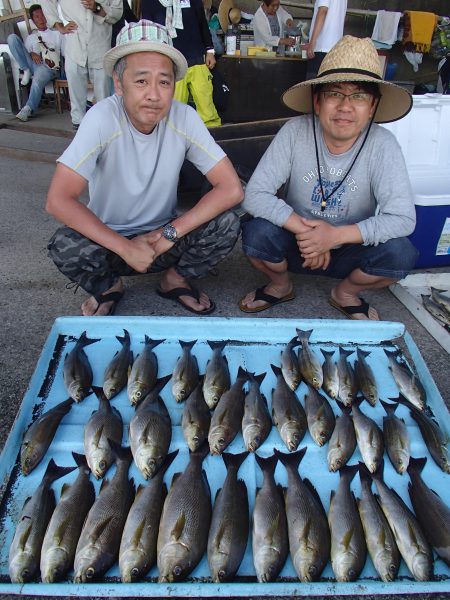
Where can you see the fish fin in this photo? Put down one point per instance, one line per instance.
(65, 488)
(276, 370)
(242, 373)
(292, 459)
(315, 494)
(362, 353)
(332, 493)
(416, 465)
(187, 345)
(234, 460)
(345, 409)
(152, 343)
(125, 338)
(217, 345)
(137, 535)
(104, 484)
(61, 530)
(97, 436)
(259, 378)
(80, 459)
(25, 535)
(303, 336)
(346, 540)
(273, 529)
(177, 530)
(100, 528)
(412, 535)
(306, 530)
(174, 478)
(327, 353)
(220, 535)
(345, 353)
(389, 408)
(382, 537)
(267, 465)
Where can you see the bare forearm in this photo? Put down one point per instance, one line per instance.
(318, 26)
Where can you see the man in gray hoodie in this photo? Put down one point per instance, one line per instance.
(347, 206)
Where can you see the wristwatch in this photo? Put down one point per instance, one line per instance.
(170, 233)
(98, 7)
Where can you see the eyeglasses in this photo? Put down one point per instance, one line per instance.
(357, 98)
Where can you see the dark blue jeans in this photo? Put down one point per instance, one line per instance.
(394, 259)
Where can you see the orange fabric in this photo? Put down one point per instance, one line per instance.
(419, 29)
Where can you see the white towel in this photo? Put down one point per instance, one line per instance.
(386, 26)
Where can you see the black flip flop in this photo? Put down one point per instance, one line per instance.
(192, 292)
(270, 300)
(114, 297)
(349, 311)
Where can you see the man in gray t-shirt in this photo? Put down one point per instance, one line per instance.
(129, 150)
(347, 206)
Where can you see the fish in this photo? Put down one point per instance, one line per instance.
(408, 384)
(217, 375)
(137, 552)
(229, 529)
(98, 546)
(396, 438)
(39, 436)
(309, 534)
(256, 422)
(64, 528)
(431, 511)
(150, 431)
(226, 419)
(347, 379)
(288, 414)
(438, 311)
(77, 371)
(185, 375)
(185, 521)
(379, 537)
(366, 382)
(289, 364)
(435, 439)
(348, 546)
(409, 536)
(342, 443)
(196, 419)
(309, 364)
(441, 297)
(330, 374)
(320, 416)
(116, 373)
(143, 373)
(270, 542)
(369, 438)
(105, 423)
(25, 549)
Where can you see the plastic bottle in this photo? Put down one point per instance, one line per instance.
(230, 41)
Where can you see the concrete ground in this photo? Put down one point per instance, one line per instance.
(33, 292)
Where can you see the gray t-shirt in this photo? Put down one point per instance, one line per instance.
(133, 177)
(376, 194)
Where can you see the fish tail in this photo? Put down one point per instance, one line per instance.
(344, 352)
(98, 391)
(80, 459)
(217, 345)
(294, 342)
(54, 471)
(364, 473)
(403, 400)
(161, 383)
(327, 353)
(234, 460)
(362, 353)
(83, 340)
(344, 409)
(242, 373)
(378, 475)
(167, 462)
(416, 465)
(188, 345)
(303, 336)
(125, 338)
(201, 452)
(293, 459)
(349, 471)
(152, 343)
(121, 453)
(276, 370)
(267, 465)
(389, 408)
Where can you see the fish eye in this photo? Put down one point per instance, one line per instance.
(27, 462)
(312, 570)
(138, 394)
(221, 574)
(177, 570)
(102, 465)
(221, 441)
(25, 574)
(90, 572)
(134, 572)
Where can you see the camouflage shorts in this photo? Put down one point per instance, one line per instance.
(96, 269)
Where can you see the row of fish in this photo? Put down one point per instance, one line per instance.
(175, 529)
(438, 305)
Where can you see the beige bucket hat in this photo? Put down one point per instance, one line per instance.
(351, 60)
(228, 14)
(144, 36)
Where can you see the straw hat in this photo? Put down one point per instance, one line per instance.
(351, 60)
(144, 36)
(228, 13)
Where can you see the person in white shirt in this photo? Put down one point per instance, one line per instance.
(327, 28)
(269, 24)
(87, 37)
(29, 56)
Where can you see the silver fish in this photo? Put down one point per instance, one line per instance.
(330, 374)
(441, 297)
(196, 419)
(343, 440)
(369, 438)
(379, 537)
(411, 540)
(436, 310)
(185, 520)
(348, 546)
(320, 416)
(432, 512)
(289, 364)
(185, 374)
(98, 546)
(347, 380)
(77, 371)
(308, 363)
(396, 438)
(105, 423)
(40, 434)
(365, 378)
(25, 549)
(217, 375)
(144, 372)
(309, 535)
(116, 373)
(408, 383)
(137, 552)
(226, 420)
(229, 529)
(150, 431)
(64, 528)
(288, 414)
(256, 422)
(270, 533)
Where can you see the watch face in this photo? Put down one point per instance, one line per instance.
(169, 232)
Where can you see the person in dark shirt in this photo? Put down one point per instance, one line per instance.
(128, 16)
(186, 22)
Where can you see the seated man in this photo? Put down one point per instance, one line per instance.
(30, 59)
(348, 204)
(130, 148)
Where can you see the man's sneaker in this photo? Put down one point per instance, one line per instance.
(26, 78)
(24, 114)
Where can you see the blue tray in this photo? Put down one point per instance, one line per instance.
(254, 344)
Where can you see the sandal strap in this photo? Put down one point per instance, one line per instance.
(110, 297)
(363, 308)
(191, 291)
(260, 294)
